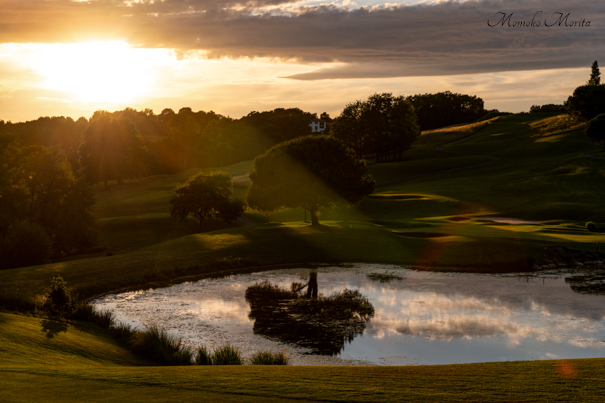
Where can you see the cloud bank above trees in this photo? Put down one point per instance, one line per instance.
(441, 38)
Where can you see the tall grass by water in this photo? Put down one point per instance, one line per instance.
(227, 355)
(269, 358)
(158, 345)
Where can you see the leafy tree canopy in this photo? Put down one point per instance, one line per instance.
(206, 195)
(309, 172)
(382, 125)
(446, 108)
(587, 102)
(41, 201)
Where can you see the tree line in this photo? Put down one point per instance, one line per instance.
(47, 165)
(45, 209)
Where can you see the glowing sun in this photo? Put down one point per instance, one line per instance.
(105, 72)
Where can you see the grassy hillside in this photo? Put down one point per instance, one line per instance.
(442, 219)
(438, 209)
(43, 360)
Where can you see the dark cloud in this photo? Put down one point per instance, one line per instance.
(425, 39)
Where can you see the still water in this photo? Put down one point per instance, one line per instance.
(395, 316)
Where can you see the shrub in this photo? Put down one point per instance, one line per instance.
(203, 356)
(591, 226)
(268, 358)
(58, 302)
(158, 345)
(227, 355)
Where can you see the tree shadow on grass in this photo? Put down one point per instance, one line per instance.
(52, 328)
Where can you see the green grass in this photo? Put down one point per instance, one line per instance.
(534, 180)
(42, 360)
(436, 221)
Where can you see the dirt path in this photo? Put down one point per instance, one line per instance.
(491, 160)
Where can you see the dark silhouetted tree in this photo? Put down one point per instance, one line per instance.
(46, 192)
(59, 302)
(587, 102)
(206, 195)
(383, 126)
(310, 172)
(445, 109)
(38, 192)
(546, 108)
(595, 130)
(595, 74)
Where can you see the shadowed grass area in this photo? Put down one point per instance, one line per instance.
(46, 343)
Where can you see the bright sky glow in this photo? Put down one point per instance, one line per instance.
(316, 55)
(97, 72)
(77, 79)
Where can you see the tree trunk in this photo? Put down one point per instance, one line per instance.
(199, 228)
(314, 216)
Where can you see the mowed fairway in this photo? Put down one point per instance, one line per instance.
(427, 212)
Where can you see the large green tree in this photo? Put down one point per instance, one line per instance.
(310, 172)
(206, 195)
(383, 126)
(41, 201)
(111, 149)
(595, 130)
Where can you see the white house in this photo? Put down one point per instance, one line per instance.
(318, 126)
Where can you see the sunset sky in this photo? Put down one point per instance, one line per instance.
(70, 58)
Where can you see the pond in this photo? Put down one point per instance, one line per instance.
(377, 315)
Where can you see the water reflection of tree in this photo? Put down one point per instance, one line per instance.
(322, 324)
(591, 283)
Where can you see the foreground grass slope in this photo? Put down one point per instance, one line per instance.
(44, 360)
(443, 220)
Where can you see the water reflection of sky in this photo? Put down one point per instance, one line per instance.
(423, 318)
